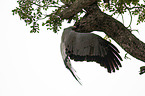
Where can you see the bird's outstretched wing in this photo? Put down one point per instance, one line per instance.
(91, 47)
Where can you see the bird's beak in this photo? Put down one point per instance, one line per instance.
(74, 27)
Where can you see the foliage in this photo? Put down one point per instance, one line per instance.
(134, 7)
(33, 11)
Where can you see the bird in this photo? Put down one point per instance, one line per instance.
(79, 46)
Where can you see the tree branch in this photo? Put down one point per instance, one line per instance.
(76, 7)
(96, 20)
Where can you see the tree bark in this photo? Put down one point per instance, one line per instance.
(96, 20)
(76, 7)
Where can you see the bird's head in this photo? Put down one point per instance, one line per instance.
(69, 29)
(72, 27)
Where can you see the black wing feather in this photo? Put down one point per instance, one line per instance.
(90, 47)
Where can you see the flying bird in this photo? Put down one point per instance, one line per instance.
(88, 47)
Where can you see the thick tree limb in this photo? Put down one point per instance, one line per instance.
(96, 20)
(76, 7)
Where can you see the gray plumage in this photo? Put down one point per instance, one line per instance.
(88, 47)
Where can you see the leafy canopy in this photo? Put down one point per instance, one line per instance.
(48, 11)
